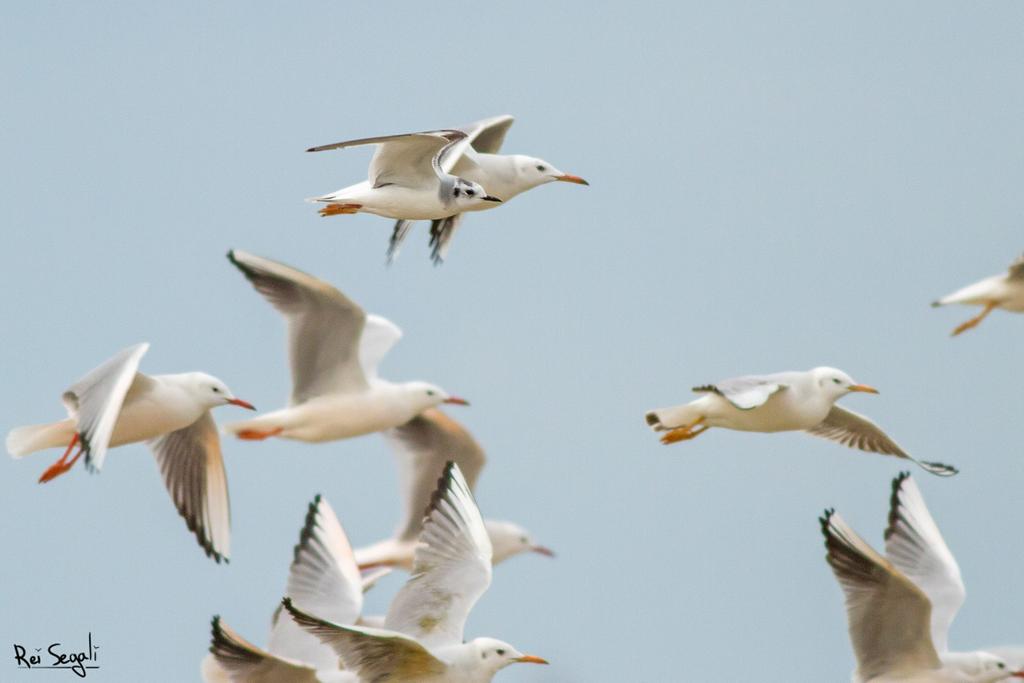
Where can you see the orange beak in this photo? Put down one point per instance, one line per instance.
(567, 178)
(530, 659)
(542, 550)
(241, 404)
(1017, 674)
(455, 400)
(863, 387)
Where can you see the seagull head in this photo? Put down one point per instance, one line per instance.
(425, 395)
(466, 194)
(509, 540)
(211, 392)
(836, 383)
(981, 664)
(533, 172)
(494, 655)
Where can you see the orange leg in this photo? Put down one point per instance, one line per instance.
(63, 465)
(338, 209)
(973, 322)
(257, 435)
(684, 433)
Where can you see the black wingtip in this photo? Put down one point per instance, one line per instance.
(894, 504)
(939, 469)
(936, 304)
(308, 527)
(652, 418)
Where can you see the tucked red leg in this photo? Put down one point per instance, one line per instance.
(62, 465)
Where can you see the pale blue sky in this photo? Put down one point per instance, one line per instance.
(774, 186)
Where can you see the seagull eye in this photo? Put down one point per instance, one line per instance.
(470, 192)
(216, 390)
(836, 381)
(500, 651)
(430, 393)
(1001, 665)
(541, 167)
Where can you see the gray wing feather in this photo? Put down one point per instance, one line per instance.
(451, 567)
(243, 662)
(747, 392)
(442, 232)
(888, 615)
(398, 235)
(96, 400)
(193, 470)
(422, 448)
(377, 655)
(324, 326)
(856, 431)
(488, 135)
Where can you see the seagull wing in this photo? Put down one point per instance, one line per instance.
(442, 231)
(888, 615)
(915, 547)
(746, 392)
(375, 654)
(488, 135)
(408, 159)
(451, 567)
(379, 335)
(96, 399)
(243, 662)
(324, 327)
(324, 580)
(1017, 269)
(856, 431)
(422, 447)
(193, 470)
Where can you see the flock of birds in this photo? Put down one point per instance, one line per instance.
(899, 606)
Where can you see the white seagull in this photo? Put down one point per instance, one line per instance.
(409, 178)
(785, 401)
(889, 617)
(324, 579)
(916, 548)
(422, 447)
(1005, 291)
(423, 636)
(115, 404)
(334, 347)
(503, 175)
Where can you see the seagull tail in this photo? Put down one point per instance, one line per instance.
(24, 440)
(663, 419)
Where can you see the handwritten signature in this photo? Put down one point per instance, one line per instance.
(79, 662)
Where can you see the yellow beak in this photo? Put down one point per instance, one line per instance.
(567, 178)
(530, 659)
(863, 387)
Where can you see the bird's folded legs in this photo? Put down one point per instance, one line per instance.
(973, 322)
(338, 209)
(257, 435)
(63, 464)
(684, 433)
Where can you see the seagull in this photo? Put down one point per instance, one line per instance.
(889, 617)
(409, 178)
(335, 348)
(504, 176)
(1005, 291)
(115, 404)
(422, 447)
(915, 547)
(785, 401)
(323, 578)
(423, 636)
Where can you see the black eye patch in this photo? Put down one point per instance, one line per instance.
(457, 192)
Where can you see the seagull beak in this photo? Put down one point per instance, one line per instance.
(455, 400)
(490, 198)
(530, 659)
(241, 404)
(568, 178)
(863, 387)
(542, 550)
(1017, 674)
